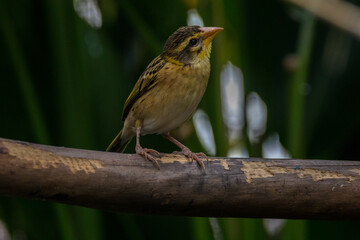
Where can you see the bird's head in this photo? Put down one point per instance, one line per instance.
(189, 45)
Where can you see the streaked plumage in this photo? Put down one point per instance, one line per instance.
(168, 91)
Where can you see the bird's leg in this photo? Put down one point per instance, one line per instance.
(186, 151)
(145, 152)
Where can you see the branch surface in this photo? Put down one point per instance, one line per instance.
(230, 187)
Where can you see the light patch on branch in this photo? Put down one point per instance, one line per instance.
(171, 158)
(44, 159)
(225, 164)
(356, 170)
(255, 170)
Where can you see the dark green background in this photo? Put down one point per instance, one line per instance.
(64, 83)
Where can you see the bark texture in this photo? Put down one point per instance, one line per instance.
(229, 187)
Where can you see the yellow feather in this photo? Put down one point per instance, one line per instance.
(173, 60)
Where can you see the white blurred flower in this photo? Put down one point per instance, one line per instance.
(232, 99)
(273, 227)
(4, 233)
(194, 18)
(215, 226)
(204, 131)
(89, 11)
(272, 148)
(256, 116)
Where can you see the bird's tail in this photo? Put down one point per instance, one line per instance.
(119, 143)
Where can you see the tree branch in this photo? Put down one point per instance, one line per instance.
(231, 187)
(342, 14)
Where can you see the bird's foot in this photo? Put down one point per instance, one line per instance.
(193, 156)
(148, 154)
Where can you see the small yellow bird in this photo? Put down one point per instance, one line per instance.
(168, 91)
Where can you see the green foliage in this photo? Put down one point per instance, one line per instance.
(64, 83)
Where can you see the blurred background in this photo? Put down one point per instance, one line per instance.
(284, 83)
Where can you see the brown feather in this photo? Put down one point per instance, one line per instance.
(144, 83)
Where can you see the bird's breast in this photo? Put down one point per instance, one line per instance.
(174, 98)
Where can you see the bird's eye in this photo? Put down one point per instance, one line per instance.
(193, 42)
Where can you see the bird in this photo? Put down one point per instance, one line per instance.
(168, 92)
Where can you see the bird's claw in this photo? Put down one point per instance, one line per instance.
(201, 154)
(193, 156)
(147, 154)
(152, 151)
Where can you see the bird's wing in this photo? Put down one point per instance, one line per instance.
(146, 81)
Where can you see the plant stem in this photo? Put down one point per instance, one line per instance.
(298, 83)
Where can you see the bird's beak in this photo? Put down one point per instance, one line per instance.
(208, 34)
